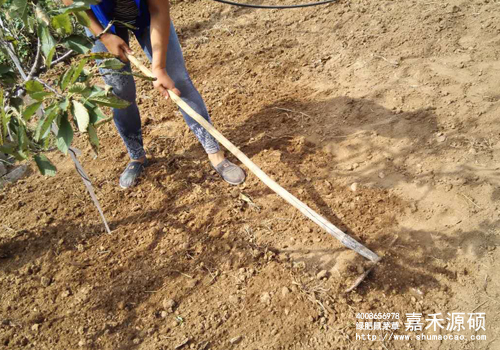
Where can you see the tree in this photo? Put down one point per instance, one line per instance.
(35, 114)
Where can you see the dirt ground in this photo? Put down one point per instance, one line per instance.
(380, 115)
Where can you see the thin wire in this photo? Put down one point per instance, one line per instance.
(276, 6)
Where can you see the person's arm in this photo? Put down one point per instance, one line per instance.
(115, 45)
(160, 32)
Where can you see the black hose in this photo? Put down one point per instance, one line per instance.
(276, 6)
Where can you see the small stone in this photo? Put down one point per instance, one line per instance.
(169, 304)
(216, 233)
(283, 257)
(82, 343)
(45, 281)
(235, 193)
(413, 207)
(164, 314)
(285, 291)
(360, 269)
(16, 174)
(80, 248)
(191, 283)
(322, 274)
(287, 312)
(234, 299)
(265, 298)
(307, 229)
(354, 186)
(441, 138)
(66, 293)
(35, 327)
(381, 174)
(413, 299)
(355, 166)
(121, 305)
(235, 340)
(136, 341)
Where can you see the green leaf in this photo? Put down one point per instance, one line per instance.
(78, 6)
(64, 105)
(20, 155)
(43, 127)
(103, 121)
(109, 101)
(31, 24)
(7, 149)
(94, 140)
(78, 43)
(139, 75)
(16, 103)
(40, 95)
(62, 23)
(112, 63)
(81, 115)
(66, 78)
(3, 125)
(7, 79)
(65, 134)
(99, 55)
(95, 113)
(19, 9)
(46, 38)
(78, 70)
(30, 110)
(33, 86)
(50, 56)
(96, 92)
(41, 16)
(4, 68)
(22, 138)
(78, 88)
(82, 18)
(44, 165)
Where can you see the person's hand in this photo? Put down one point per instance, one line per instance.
(164, 82)
(116, 45)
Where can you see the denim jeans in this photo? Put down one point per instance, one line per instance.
(128, 120)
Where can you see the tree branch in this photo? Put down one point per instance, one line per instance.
(63, 57)
(48, 87)
(10, 51)
(37, 59)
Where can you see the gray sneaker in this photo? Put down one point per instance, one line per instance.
(131, 173)
(231, 173)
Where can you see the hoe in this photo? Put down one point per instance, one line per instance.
(346, 240)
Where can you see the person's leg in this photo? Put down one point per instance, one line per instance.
(176, 69)
(127, 120)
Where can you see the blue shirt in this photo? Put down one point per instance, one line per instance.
(104, 13)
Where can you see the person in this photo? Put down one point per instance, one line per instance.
(156, 35)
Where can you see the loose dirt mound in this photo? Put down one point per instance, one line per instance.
(382, 116)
